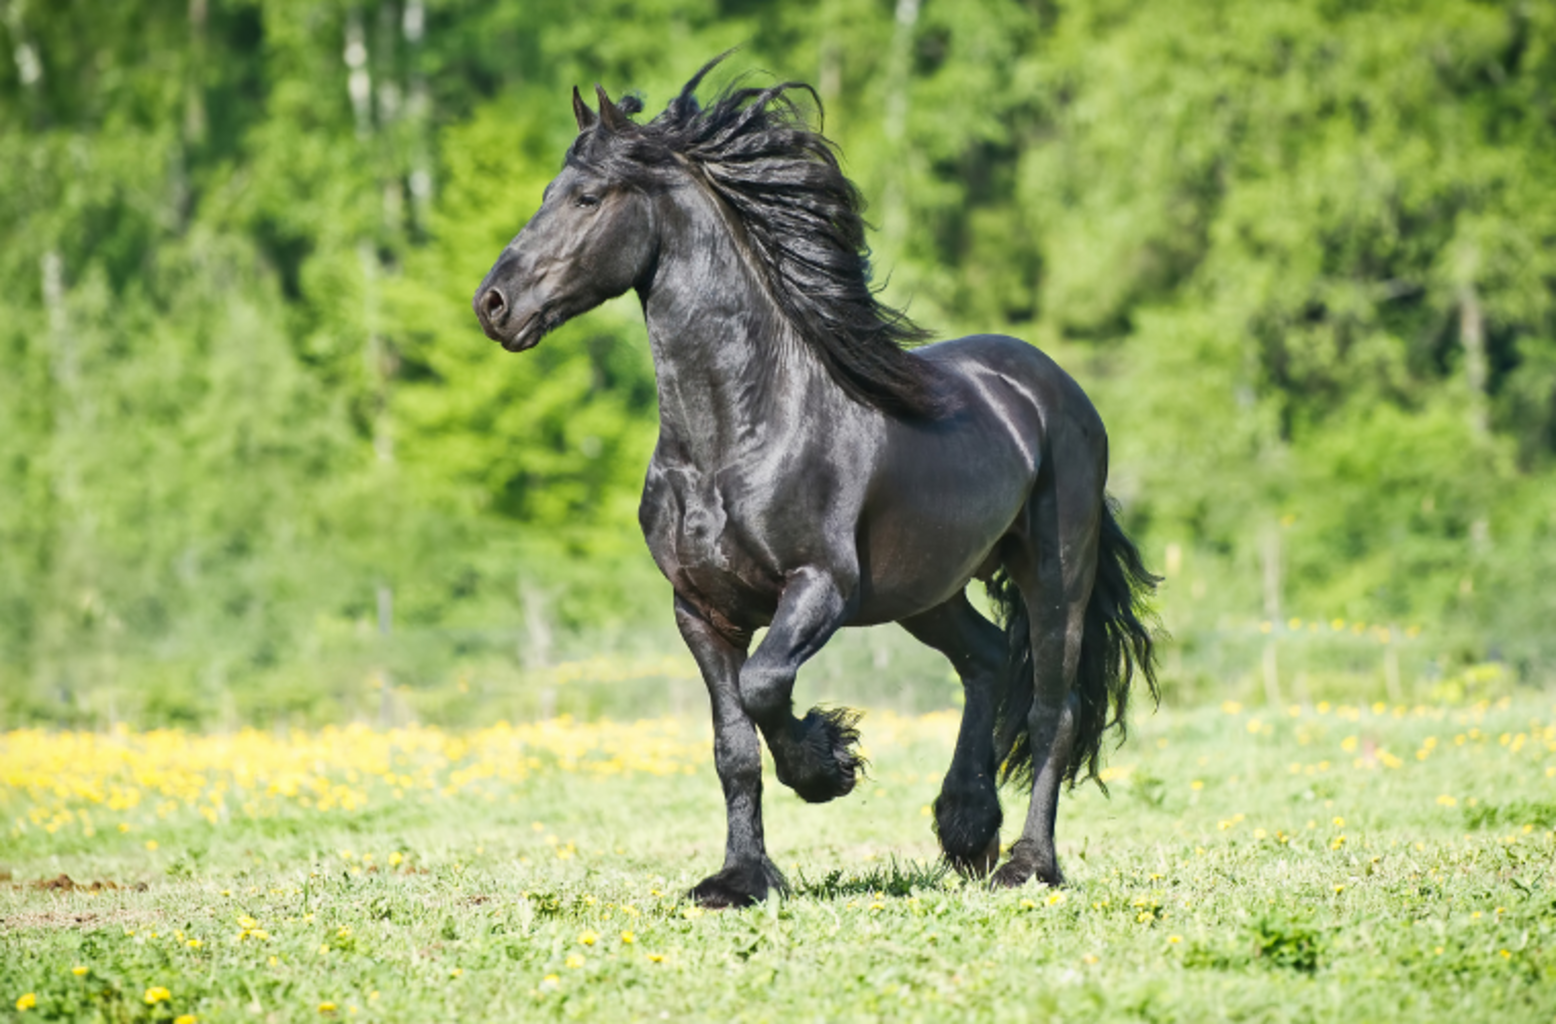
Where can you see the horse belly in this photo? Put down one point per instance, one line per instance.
(936, 520)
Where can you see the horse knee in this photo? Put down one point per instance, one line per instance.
(765, 692)
(738, 759)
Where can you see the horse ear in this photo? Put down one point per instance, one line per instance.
(611, 117)
(582, 112)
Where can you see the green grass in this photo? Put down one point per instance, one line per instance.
(1247, 865)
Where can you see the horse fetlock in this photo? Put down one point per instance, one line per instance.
(823, 761)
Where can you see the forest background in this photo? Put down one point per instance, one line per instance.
(258, 463)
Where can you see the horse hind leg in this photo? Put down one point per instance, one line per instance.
(1053, 563)
(967, 811)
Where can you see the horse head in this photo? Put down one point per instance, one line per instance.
(591, 240)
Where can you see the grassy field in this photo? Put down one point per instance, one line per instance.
(1315, 863)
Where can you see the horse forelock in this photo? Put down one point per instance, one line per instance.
(802, 222)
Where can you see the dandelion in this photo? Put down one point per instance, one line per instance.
(691, 912)
(327, 1007)
(185, 1018)
(26, 1002)
(1197, 785)
(1337, 842)
(589, 938)
(656, 958)
(574, 961)
(157, 994)
(1055, 899)
(456, 972)
(194, 943)
(79, 970)
(628, 938)
(1506, 955)
(1174, 939)
(1339, 889)
(1447, 801)
(395, 859)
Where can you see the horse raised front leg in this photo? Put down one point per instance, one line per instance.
(748, 875)
(815, 756)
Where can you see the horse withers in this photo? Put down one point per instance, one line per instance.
(814, 470)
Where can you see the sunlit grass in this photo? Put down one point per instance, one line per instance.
(1291, 863)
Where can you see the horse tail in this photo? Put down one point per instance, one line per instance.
(1118, 642)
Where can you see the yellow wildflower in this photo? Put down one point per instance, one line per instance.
(574, 961)
(589, 937)
(27, 1001)
(628, 938)
(157, 994)
(79, 970)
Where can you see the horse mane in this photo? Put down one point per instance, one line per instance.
(803, 223)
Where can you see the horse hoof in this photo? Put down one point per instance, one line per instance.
(716, 893)
(967, 820)
(1027, 862)
(829, 738)
(979, 864)
(1011, 876)
(742, 886)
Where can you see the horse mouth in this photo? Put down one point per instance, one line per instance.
(536, 326)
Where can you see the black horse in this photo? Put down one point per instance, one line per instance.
(813, 473)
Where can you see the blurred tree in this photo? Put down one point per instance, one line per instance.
(1303, 255)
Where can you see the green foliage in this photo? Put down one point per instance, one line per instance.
(1301, 254)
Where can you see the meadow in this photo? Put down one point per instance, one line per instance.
(1313, 862)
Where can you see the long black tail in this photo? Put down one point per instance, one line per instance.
(1118, 642)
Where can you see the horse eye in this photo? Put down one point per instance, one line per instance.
(588, 199)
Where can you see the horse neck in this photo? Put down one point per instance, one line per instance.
(727, 363)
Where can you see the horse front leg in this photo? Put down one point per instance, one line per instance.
(816, 756)
(748, 875)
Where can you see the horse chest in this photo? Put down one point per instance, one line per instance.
(700, 549)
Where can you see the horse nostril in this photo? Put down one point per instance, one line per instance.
(493, 304)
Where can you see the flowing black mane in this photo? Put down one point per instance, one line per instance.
(802, 219)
